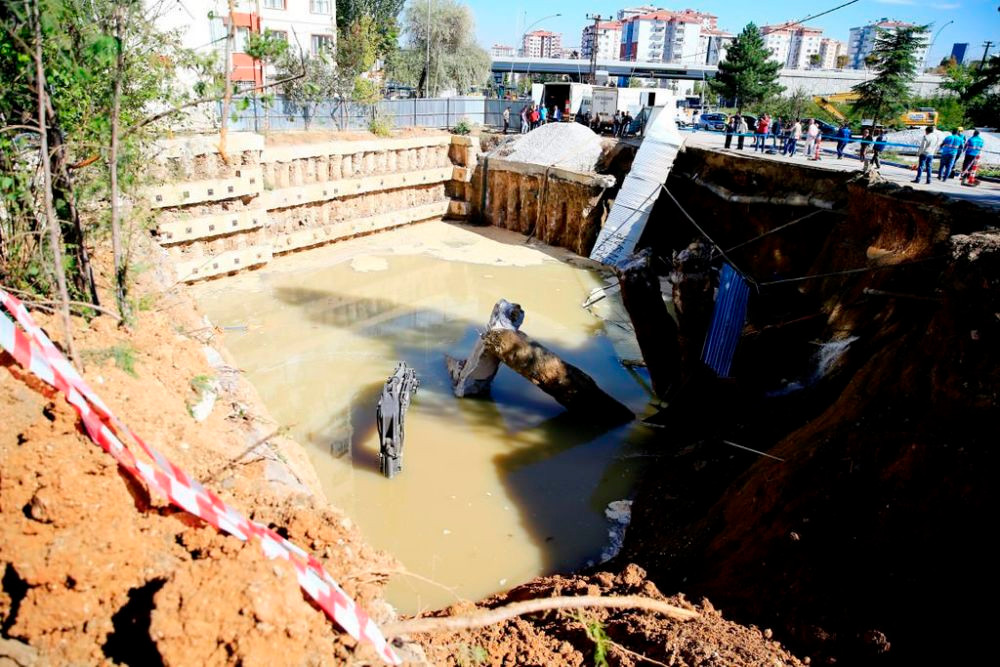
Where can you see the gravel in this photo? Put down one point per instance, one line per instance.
(565, 145)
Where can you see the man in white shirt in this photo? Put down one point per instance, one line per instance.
(925, 154)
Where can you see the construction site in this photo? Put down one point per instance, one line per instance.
(458, 396)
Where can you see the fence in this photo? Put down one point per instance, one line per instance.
(282, 114)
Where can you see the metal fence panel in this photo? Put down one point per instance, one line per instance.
(282, 114)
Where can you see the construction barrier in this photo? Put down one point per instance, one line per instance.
(32, 349)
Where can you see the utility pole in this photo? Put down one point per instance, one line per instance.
(596, 18)
(986, 52)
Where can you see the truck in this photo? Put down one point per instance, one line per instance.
(607, 100)
(567, 95)
(920, 117)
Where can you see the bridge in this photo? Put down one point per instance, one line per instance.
(810, 81)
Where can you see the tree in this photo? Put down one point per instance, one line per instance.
(815, 60)
(842, 61)
(455, 62)
(747, 74)
(384, 15)
(958, 79)
(895, 61)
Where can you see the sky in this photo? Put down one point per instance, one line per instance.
(975, 21)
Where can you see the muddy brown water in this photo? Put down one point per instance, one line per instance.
(493, 492)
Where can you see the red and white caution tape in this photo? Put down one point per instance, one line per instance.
(33, 350)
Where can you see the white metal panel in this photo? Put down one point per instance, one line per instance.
(639, 192)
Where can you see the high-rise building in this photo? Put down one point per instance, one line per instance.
(604, 38)
(542, 44)
(629, 12)
(862, 41)
(666, 36)
(829, 50)
(502, 51)
(793, 45)
(959, 52)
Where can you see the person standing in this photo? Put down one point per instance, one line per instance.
(811, 133)
(973, 149)
(794, 136)
(925, 154)
(543, 115)
(961, 150)
(763, 127)
(525, 119)
(730, 129)
(843, 138)
(776, 133)
(506, 119)
(949, 151)
(877, 148)
(741, 131)
(866, 141)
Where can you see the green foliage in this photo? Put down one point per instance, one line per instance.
(122, 354)
(951, 111)
(456, 61)
(747, 74)
(380, 126)
(894, 58)
(597, 634)
(469, 656)
(384, 15)
(634, 82)
(462, 127)
(266, 46)
(202, 383)
(80, 53)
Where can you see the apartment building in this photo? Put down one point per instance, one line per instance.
(542, 44)
(829, 50)
(862, 41)
(666, 36)
(604, 38)
(713, 44)
(792, 45)
(631, 12)
(502, 51)
(203, 26)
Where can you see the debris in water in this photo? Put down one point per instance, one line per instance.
(389, 414)
(619, 513)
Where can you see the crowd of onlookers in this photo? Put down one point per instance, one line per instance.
(782, 136)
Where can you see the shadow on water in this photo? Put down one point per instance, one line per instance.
(555, 466)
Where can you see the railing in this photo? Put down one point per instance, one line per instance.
(282, 114)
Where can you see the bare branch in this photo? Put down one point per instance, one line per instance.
(479, 620)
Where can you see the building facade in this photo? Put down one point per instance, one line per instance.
(604, 38)
(794, 46)
(542, 44)
(502, 51)
(666, 36)
(714, 44)
(310, 24)
(829, 51)
(862, 42)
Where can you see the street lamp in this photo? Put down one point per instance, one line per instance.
(928, 53)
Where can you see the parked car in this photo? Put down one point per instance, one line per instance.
(712, 121)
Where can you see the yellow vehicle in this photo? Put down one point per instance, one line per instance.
(911, 118)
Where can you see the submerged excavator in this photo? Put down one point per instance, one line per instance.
(919, 117)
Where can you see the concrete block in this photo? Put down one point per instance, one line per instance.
(177, 231)
(225, 262)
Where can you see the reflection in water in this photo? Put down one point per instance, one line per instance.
(494, 491)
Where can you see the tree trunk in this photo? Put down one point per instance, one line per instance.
(474, 375)
(655, 330)
(227, 94)
(570, 386)
(120, 266)
(50, 214)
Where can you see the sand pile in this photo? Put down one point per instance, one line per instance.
(565, 145)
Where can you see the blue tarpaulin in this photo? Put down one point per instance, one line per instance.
(727, 321)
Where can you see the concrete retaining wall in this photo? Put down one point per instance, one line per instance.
(220, 215)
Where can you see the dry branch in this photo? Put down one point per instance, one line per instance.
(500, 614)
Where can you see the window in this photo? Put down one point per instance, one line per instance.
(274, 4)
(240, 43)
(278, 34)
(322, 43)
(321, 6)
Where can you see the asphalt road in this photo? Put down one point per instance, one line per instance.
(985, 194)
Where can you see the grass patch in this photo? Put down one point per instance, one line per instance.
(597, 634)
(202, 383)
(468, 656)
(122, 354)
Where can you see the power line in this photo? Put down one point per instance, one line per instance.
(816, 16)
